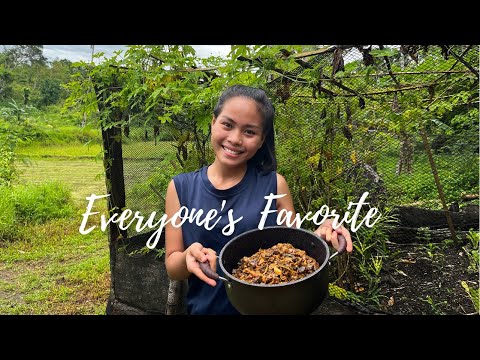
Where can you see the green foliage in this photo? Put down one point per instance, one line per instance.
(471, 250)
(456, 173)
(384, 52)
(50, 92)
(55, 270)
(436, 306)
(45, 126)
(143, 251)
(15, 112)
(32, 204)
(64, 135)
(323, 165)
(6, 80)
(473, 294)
(7, 158)
(26, 76)
(38, 203)
(8, 227)
(370, 254)
(18, 55)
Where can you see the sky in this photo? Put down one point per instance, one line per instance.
(84, 52)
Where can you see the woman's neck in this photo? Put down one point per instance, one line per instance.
(225, 177)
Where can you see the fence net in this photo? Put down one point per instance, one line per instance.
(399, 124)
(356, 129)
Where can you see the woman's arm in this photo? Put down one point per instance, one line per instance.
(325, 230)
(181, 262)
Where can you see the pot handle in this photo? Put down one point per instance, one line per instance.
(205, 267)
(342, 243)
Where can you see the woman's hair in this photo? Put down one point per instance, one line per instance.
(264, 159)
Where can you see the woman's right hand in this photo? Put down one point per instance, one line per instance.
(197, 253)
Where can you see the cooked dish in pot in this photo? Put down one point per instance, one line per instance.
(279, 264)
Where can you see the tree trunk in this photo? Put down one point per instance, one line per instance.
(441, 195)
(405, 160)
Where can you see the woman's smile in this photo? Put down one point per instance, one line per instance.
(232, 152)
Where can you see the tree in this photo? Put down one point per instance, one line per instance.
(6, 80)
(24, 55)
(50, 91)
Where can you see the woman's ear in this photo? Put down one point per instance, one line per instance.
(213, 120)
(263, 140)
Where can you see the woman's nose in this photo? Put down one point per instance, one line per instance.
(236, 137)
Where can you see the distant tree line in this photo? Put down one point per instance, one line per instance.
(28, 78)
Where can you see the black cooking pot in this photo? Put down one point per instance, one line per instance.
(294, 298)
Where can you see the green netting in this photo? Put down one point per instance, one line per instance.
(344, 134)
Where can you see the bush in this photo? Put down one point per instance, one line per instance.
(66, 135)
(7, 168)
(37, 204)
(8, 228)
(32, 204)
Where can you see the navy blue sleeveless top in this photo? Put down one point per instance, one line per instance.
(195, 191)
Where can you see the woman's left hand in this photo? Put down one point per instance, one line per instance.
(330, 235)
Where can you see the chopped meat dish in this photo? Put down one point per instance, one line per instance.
(279, 264)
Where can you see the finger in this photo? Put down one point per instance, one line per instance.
(212, 259)
(349, 242)
(199, 273)
(322, 231)
(334, 239)
(199, 254)
(342, 230)
(328, 235)
(205, 278)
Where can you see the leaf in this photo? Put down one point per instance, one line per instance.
(401, 273)
(353, 157)
(473, 294)
(384, 52)
(441, 125)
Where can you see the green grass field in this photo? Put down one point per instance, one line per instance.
(83, 176)
(53, 269)
(56, 270)
(73, 151)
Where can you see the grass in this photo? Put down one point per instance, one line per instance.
(56, 270)
(83, 176)
(52, 268)
(69, 151)
(148, 149)
(458, 175)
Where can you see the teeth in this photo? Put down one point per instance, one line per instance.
(231, 151)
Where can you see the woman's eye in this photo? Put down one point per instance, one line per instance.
(250, 132)
(227, 125)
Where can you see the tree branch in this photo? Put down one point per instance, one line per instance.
(460, 58)
(389, 67)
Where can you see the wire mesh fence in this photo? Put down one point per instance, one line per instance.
(398, 123)
(354, 130)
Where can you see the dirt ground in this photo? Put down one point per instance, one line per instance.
(429, 284)
(420, 281)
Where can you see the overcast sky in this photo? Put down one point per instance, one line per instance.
(84, 52)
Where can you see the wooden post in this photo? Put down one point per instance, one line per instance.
(113, 163)
(114, 180)
(441, 194)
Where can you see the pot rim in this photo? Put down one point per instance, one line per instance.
(232, 277)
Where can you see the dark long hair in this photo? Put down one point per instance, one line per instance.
(264, 159)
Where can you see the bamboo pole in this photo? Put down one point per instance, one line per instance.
(441, 194)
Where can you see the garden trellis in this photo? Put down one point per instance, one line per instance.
(400, 122)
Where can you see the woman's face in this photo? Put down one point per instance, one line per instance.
(237, 132)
